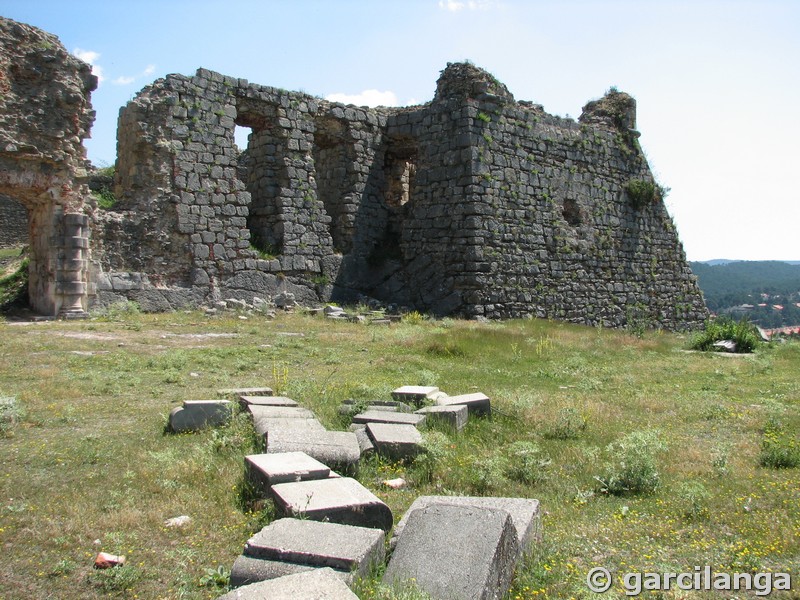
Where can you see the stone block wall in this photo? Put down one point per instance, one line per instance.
(13, 223)
(473, 204)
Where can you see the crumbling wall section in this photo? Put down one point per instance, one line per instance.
(45, 114)
(13, 223)
(472, 204)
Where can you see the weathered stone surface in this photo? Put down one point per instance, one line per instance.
(247, 570)
(314, 584)
(383, 416)
(478, 404)
(414, 394)
(338, 449)
(348, 407)
(284, 428)
(342, 500)
(313, 543)
(454, 416)
(456, 552)
(280, 401)
(395, 441)
(266, 411)
(364, 441)
(524, 513)
(198, 414)
(265, 470)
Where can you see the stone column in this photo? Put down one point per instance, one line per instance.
(71, 284)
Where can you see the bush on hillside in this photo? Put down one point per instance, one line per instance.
(744, 333)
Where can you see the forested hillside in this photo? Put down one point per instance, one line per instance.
(767, 292)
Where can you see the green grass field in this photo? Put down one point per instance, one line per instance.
(87, 465)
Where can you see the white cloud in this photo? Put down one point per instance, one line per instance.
(90, 56)
(149, 70)
(457, 5)
(123, 80)
(128, 79)
(366, 98)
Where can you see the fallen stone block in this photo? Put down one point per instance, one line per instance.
(414, 394)
(382, 416)
(251, 391)
(395, 441)
(349, 407)
(312, 584)
(247, 570)
(247, 400)
(453, 417)
(478, 404)
(343, 547)
(278, 412)
(265, 470)
(198, 414)
(342, 500)
(337, 449)
(285, 426)
(525, 516)
(364, 441)
(475, 552)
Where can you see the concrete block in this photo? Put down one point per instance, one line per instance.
(343, 500)
(314, 584)
(337, 449)
(265, 470)
(454, 416)
(525, 516)
(198, 414)
(395, 441)
(475, 552)
(247, 400)
(414, 394)
(317, 544)
(477, 404)
(382, 416)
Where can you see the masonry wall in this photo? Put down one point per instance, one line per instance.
(473, 204)
(13, 223)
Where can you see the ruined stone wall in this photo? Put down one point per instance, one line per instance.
(13, 223)
(45, 114)
(472, 204)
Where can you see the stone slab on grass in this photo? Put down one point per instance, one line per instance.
(348, 406)
(525, 516)
(364, 441)
(317, 544)
(265, 470)
(382, 416)
(477, 403)
(278, 412)
(337, 449)
(286, 426)
(414, 394)
(267, 401)
(249, 391)
(247, 570)
(394, 440)
(314, 584)
(456, 552)
(198, 414)
(454, 416)
(343, 500)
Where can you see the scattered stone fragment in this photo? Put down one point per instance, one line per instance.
(198, 414)
(180, 521)
(395, 441)
(524, 513)
(395, 484)
(317, 544)
(342, 500)
(247, 570)
(726, 345)
(265, 470)
(477, 403)
(348, 406)
(104, 560)
(314, 584)
(332, 310)
(453, 416)
(364, 441)
(475, 552)
(414, 394)
(247, 400)
(383, 416)
(384, 322)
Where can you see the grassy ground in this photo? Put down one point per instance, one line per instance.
(87, 466)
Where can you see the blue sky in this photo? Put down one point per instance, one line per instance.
(717, 83)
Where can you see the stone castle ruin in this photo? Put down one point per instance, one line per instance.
(472, 204)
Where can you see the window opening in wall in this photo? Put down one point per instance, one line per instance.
(14, 253)
(401, 168)
(262, 168)
(333, 158)
(572, 212)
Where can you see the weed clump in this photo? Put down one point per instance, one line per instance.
(743, 333)
(779, 449)
(526, 463)
(569, 425)
(11, 413)
(632, 468)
